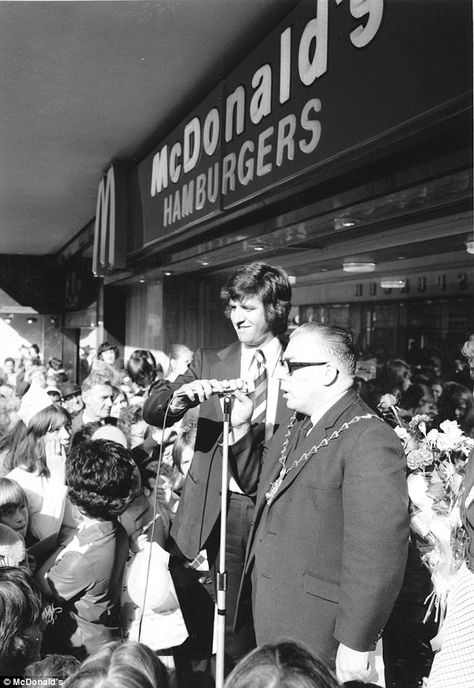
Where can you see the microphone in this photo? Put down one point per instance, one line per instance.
(230, 390)
(246, 387)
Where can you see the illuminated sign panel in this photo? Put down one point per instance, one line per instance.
(333, 79)
(180, 182)
(110, 231)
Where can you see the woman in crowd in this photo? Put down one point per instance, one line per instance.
(418, 399)
(453, 665)
(9, 444)
(119, 404)
(286, 665)
(20, 616)
(120, 665)
(395, 378)
(108, 353)
(142, 370)
(38, 464)
(180, 356)
(457, 403)
(55, 373)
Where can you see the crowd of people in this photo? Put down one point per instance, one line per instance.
(110, 508)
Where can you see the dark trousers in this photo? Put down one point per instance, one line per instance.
(240, 509)
(194, 593)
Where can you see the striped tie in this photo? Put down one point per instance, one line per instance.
(260, 394)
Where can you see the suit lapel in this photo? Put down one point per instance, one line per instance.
(330, 422)
(227, 366)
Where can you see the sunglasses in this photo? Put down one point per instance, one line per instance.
(290, 366)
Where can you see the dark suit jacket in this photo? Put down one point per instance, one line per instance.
(199, 505)
(327, 557)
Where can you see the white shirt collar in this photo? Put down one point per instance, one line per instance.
(321, 410)
(271, 350)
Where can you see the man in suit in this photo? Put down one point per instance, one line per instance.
(97, 395)
(256, 298)
(327, 550)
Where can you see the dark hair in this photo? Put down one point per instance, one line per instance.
(120, 665)
(59, 666)
(270, 284)
(186, 438)
(35, 347)
(142, 367)
(20, 608)
(99, 476)
(30, 452)
(55, 363)
(9, 358)
(105, 346)
(12, 496)
(453, 393)
(414, 394)
(393, 371)
(85, 432)
(286, 665)
(10, 441)
(129, 416)
(337, 341)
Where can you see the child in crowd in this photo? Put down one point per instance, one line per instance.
(20, 618)
(52, 666)
(85, 576)
(12, 547)
(121, 665)
(13, 506)
(14, 513)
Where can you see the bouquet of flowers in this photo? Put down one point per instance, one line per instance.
(436, 464)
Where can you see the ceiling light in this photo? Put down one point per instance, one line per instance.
(31, 320)
(257, 245)
(141, 280)
(470, 246)
(204, 261)
(167, 273)
(9, 318)
(344, 222)
(358, 266)
(392, 283)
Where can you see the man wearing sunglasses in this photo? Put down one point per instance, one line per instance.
(256, 299)
(327, 551)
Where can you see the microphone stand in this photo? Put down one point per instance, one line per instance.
(221, 572)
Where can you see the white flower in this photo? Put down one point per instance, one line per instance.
(432, 436)
(417, 491)
(418, 458)
(387, 401)
(450, 436)
(402, 433)
(450, 427)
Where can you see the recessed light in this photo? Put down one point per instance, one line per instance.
(344, 222)
(358, 266)
(392, 283)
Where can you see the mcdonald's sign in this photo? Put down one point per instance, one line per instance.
(110, 230)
